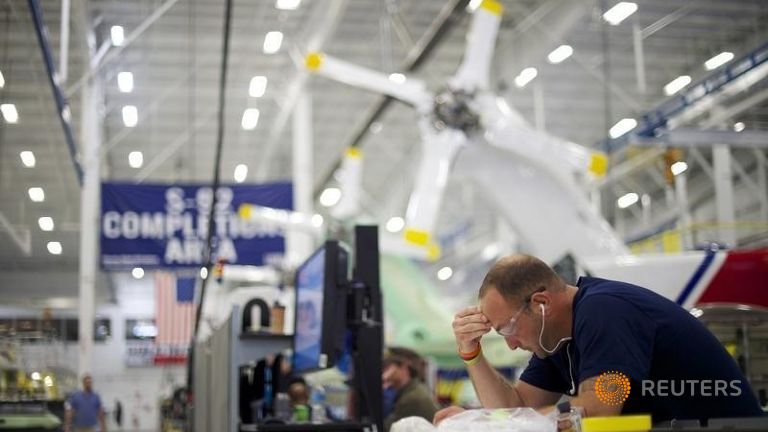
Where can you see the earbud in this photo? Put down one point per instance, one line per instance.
(543, 310)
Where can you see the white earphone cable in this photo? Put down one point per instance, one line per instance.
(541, 333)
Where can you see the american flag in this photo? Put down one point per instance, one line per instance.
(175, 309)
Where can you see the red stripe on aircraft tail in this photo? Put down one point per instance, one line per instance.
(742, 279)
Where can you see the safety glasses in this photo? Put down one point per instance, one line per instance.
(509, 328)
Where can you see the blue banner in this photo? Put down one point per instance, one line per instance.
(166, 226)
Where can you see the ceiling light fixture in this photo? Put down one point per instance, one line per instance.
(526, 75)
(36, 194)
(627, 200)
(2, 80)
(28, 158)
(679, 167)
(241, 172)
(137, 272)
(620, 12)
(258, 86)
(117, 34)
(395, 224)
(621, 127)
(560, 54)
(330, 197)
(46, 223)
(739, 126)
(125, 82)
(445, 273)
(272, 42)
(9, 113)
(54, 248)
(130, 116)
(718, 60)
(250, 119)
(676, 85)
(287, 4)
(136, 159)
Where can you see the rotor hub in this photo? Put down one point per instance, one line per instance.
(452, 109)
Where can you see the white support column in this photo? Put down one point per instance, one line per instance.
(669, 196)
(762, 183)
(64, 47)
(299, 244)
(539, 115)
(645, 202)
(637, 39)
(723, 175)
(91, 137)
(684, 211)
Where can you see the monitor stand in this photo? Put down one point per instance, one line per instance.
(366, 322)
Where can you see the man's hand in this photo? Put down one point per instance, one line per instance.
(445, 413)
(469, 325)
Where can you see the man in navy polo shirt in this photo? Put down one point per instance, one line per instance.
(84, 410)
(615, 348)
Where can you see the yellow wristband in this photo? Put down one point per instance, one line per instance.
(474, 360)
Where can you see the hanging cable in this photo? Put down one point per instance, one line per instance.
(191, 111)
(605, 48)
(209, 244)
(192, 85)
(9, 67)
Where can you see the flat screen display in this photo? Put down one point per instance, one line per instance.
(310, 286)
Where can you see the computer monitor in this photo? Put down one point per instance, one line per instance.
(321, 293)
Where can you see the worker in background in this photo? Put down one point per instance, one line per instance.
(615, 348)
(298, 392)
(84, 410)
(404, 371)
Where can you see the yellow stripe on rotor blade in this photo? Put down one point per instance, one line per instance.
(598, 164)
(433, 252)
(492, 6)
(354, 152)
(244, 211)
(313, 61)
(417, 237)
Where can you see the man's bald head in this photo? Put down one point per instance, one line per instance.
(516, 276)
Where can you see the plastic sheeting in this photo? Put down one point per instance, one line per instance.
(483, 420)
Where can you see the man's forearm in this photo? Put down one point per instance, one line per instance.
(589, 402)
(68, 414)
(493, 389)
(590, 408)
